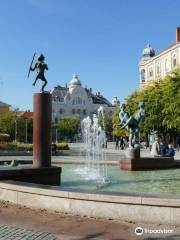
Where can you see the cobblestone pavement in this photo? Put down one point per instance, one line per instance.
(14, 233)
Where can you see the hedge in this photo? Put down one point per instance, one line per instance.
(27, 147)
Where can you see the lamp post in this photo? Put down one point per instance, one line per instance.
(15, 133)
(26, 122)
(15, 130)
(56, 126)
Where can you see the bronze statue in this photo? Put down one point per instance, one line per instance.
(40, 67)
(132, 123)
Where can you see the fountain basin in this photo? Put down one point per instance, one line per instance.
(106, 205)
(42, 175)
(132, 182)
(149, 163)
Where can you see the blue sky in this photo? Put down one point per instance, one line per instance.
(100, 40)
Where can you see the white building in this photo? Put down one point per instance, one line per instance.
(154, 67)
(75, 100)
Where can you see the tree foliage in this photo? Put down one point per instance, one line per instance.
(106, 123)
(117, 130)
(69, 127)
(162, 105)
(9, 121)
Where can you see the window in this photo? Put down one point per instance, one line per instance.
(57, 99)
(84, 111)
(56, 120)
(158, 69)
(166, 65)
(73, 111)
(142, 75)
(61, 111)
(150, 72)
(78, 100)
(174, 61)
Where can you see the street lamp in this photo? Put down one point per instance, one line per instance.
(15, 130)
(56, 135)
(56, 126)
(15, 133)
(26, 122)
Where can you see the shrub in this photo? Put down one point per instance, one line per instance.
(16, 146)
(62, 146)
(4, 137)
(13, 146)
(24, 147)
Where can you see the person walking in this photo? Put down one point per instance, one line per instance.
(156, 149)
(178, 142)
(117, 143)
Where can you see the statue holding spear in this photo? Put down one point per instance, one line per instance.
(40, 67)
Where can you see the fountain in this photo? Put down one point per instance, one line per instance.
(132, 160)
(42, 171)
(122, 198)
(94, 139)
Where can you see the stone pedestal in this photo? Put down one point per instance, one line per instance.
(133, 162)
(148, 163)
(42, 130)
(42, 172)
(132, 153)
(45, 176)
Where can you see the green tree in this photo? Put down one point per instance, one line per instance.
(162, 105)
(117, 130)
(7, 123)
(68, 127)
(106, 124)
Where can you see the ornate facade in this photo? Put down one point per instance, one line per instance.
(154, 67)
(75, 100)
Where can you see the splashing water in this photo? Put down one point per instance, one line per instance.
(94, 139)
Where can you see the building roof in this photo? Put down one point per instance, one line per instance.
(98, 98)
(170, 46)
(60, 92)
(148, 51)
(2, 104)
(26, 114)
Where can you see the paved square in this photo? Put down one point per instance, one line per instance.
(14, 233)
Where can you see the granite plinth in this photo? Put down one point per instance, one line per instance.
(148, 163)
(42, 130)
(132, 153)
(41, 175)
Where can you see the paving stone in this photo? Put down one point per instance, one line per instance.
(14, 233)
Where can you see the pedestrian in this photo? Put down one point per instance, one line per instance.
(155, 150)
(121, 143)
(151, 140)
(117, 143)
(162, 148)
(170, 152)
(178, 142)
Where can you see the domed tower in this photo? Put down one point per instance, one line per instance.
(74, 83)
(148, 52)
